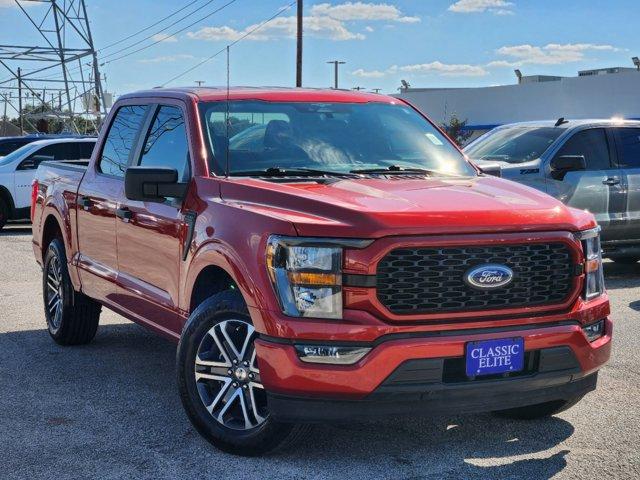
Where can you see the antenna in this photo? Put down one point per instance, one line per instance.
(226, 121)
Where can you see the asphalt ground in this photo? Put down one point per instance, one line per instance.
(111, 410)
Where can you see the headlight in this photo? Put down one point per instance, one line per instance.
(594, 275)
(307, 276)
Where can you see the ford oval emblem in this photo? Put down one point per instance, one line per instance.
(489, 276)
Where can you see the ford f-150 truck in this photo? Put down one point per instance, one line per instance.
(320, 256)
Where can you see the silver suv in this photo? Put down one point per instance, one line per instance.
(587, 164)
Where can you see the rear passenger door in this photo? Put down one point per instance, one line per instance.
(99, 194)
(599, 187)
(628, 149)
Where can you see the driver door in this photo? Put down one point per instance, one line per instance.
(598, 188)
(149, 234)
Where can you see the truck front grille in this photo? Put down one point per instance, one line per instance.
(431, 280)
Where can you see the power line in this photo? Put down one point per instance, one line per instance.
(112, 54)
(150, 26)
(174, 33)
(245, 35)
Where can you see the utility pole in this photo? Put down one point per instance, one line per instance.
(199, 82)
(20, 101)
(376, 90)
(336, 65)
(299, 46)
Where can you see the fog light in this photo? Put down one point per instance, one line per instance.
(594, 331)
(330, 354)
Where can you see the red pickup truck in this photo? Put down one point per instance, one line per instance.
(320, 256)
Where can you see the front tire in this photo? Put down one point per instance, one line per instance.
(219, 379)
(540, 410)
(72, 317)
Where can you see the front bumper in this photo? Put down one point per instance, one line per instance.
(564, 364)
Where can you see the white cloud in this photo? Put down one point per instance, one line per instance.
(163, 37)
(551, 54)
(283, 27)
(362, 73)
(167, 58)
(445, 69)
(432, 68)
(352, 11)
(325, 21)
(498, 7)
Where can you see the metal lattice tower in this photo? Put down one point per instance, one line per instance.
(62, 62)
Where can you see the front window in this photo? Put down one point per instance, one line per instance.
(514, 145)
(339, 138)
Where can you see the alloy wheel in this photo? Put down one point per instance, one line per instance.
(54, 292)
(227, 376)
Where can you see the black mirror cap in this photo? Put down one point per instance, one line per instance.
(492, 169)
(152, 184)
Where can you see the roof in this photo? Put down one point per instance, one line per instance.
(569, 123)
(51, 141)
(272, 94)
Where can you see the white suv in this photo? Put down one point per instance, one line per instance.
(18, 168)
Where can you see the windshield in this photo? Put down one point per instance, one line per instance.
(328, 137)
(16, 154)
(514, 145)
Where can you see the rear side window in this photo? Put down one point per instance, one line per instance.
(166, 143)
(120, 140)
(592, 145)
(628, 140)
(85, 150)
(58, 151)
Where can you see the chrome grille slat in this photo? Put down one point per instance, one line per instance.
(430, 279)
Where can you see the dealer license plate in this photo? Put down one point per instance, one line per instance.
(489, 357)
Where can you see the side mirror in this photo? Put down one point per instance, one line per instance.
(492, 169)
(152, 184)
(34, 162)
(567, 163)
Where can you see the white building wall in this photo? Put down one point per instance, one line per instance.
(597, 96)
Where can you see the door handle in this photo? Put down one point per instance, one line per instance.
(611, 181)
(85, 203)
(124, 213)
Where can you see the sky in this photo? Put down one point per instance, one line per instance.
(428, 43)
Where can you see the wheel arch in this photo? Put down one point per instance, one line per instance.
(5, 196)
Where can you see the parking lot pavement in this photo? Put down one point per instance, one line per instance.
(111, 410)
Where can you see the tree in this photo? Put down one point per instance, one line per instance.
(456, 129)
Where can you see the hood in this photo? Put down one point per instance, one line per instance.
(383, 206)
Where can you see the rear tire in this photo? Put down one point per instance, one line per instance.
(540, 410)
(72, 317)
(4, 214)
(219, 380)
(626, 260)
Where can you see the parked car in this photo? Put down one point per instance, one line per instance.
(587, 164)
(18, 169)
(350, 265)
(10, 144)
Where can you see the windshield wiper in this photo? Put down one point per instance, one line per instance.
(396, 169)
(292, 172)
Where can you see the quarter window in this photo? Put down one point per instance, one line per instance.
(166, 143)
(120, 139)
(592, 145)
(629, 147)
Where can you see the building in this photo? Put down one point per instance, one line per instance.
(601, 93)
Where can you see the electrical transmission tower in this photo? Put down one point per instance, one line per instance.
(61, 61)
